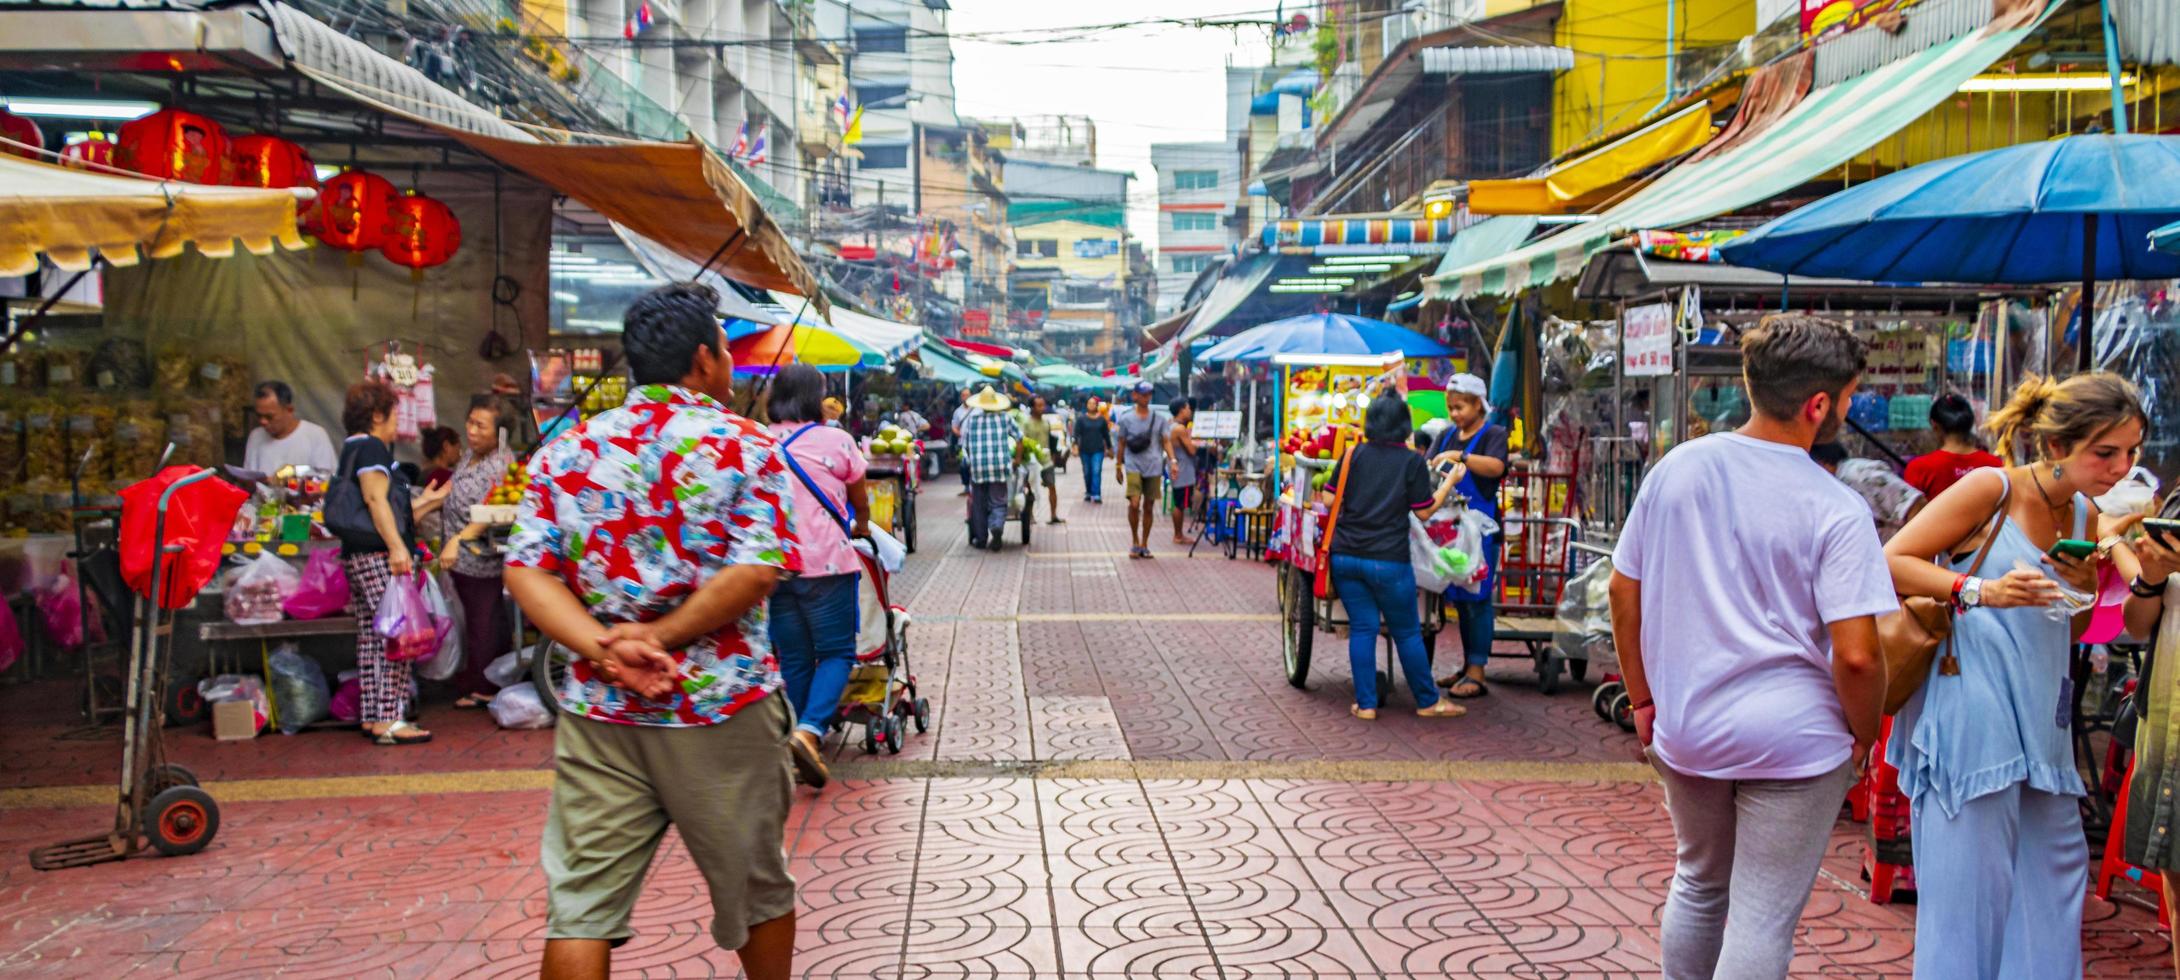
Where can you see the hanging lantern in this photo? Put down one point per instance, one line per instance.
(425, 233)
(20, 130)
(355, 211)
(269, 161)
(94, 154)
(174, 145)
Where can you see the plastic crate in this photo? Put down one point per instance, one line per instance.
(1869, 410)
(1909, 412)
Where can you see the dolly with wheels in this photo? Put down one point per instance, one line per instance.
(159, 804)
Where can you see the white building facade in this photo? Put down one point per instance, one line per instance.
(1199, 193)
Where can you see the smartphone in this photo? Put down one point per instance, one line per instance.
(2166, 530)
(1446, 468)
(2072, 548)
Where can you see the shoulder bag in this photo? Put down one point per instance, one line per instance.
(824, 499)
(348, 515)
(1321, 583)
(1910, 637)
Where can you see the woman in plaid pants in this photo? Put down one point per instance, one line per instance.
(367, 457)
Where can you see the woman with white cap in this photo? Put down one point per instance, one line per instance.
(1480, 448)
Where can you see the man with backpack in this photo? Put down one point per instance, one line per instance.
(1141, 465)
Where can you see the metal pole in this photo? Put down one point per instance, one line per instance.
(2085, 338)
(2111, 67)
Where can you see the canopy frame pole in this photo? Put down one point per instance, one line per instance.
(2111, 67)
(8, 343)
(2085, 339)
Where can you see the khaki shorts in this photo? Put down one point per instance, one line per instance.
(616, 788)
(1139, 485)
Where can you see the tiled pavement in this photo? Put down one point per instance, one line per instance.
(1230, 825)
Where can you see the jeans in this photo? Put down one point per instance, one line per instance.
(1093, 475)
(987, 513)
(813, 623)
(1373, 590)
(1747, 854)
(1478, 620)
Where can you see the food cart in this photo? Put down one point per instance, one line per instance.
(893, 479)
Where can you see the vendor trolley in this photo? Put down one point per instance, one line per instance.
(894, 482)
(1302, 614)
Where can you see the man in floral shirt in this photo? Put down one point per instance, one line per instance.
(647, 544)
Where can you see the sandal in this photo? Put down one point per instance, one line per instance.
(468, 701)
(810, 769)
(1055, 521)
(1476, 689)
(1441, 708)
(393, 735)
(1360, 713)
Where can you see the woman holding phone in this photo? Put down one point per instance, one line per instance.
(1986, 752)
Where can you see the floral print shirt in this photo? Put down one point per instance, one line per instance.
(638, 507)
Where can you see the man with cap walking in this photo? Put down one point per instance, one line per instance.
(989, 435)
(1141, 465)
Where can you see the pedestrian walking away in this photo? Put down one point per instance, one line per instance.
(1093, 439)
(1986, 748)
(990, 441)
(647, 543)
(1479, 448)
(1745, 592)
(1141, 465)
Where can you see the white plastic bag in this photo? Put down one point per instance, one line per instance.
(890, 551)
(443, 664)
(519, 708)
(2136, 493)
(506, 669)
(1463, 560)
(1430, 573)
(256, 592)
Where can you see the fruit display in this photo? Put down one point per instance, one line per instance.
(892, 440)
(499, 502)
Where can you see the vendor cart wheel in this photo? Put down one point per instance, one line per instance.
(1029, 514)
(549, 670)
(184, 705)
(1623, 711)
(908, 521)
(1298, 622)
(1601, 699)
(923, 715)
(896, 733)
(1547, 672)
(1577, 669)
(181, 820)
(165, 776)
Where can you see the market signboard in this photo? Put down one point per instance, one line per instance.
(1216, 425)
(1646, 341)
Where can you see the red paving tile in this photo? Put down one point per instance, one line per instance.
(992, 876)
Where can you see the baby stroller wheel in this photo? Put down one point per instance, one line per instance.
(1601, 698)
(870, 735)
(1623, 712)
(896, 731)
(923, 715)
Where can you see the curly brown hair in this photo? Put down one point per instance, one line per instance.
(367, 400)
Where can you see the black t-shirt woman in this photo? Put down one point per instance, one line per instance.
(1479, 449)
(1386, 483)
(367, 457)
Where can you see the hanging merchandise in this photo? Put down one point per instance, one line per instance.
(411, 381)
(94, 152)
(425, 234)
(20, 130)
(269, 161)
(355, 212)
(174, 145)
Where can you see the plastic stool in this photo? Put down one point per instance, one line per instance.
(2115, 863)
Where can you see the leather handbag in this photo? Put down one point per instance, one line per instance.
(1321, 584)
(1911, 637)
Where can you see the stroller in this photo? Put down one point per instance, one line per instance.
(881, 694)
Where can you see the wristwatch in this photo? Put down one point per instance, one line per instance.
(1971, 593)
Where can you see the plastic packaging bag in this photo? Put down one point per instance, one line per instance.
(506, 669)
(1430, 573)
(2136, 493)
(299, 689)
(347, 703)
(324, 588)
(61, 611)
(258, 590)
(405, 621)
(11, 638)
(447, 659)
(1582, 623)
(237, 687)
(1459, 534)
(519, 708)
(198, 518)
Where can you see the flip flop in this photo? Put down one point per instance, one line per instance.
(392, 735)
(1442, 708)
(470, 701)
(1477, 689)
(1360, 713)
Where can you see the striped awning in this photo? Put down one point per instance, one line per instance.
(1507, 59)
(1827, 128)
(1360, 234)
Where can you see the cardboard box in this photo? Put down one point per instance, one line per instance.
(234, 721)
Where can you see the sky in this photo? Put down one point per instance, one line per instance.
(1162, 84)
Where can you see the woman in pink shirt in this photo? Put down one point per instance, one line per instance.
(814, 616)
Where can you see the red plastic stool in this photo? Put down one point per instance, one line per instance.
(1888, 852)
(2115, 863)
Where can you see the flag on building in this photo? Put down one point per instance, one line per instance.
(757, 148)
(854, 132)
(741, 142)
(841, 109)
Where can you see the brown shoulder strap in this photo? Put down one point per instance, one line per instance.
(1997, 523)
(1339, 495)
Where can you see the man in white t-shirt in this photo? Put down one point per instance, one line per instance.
(1744, 600)
(282, 439)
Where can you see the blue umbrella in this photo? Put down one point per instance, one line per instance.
(2166, 239)
(1323, 333)
(2074, 209)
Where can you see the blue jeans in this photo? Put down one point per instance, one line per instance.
(1093, 475)
(1375, 591)
(1478, 620)
(813, 624)
(987, 513)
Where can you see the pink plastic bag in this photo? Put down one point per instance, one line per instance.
(406, 622)
(60, 610)
(347, 703)
(324, 591)
(11, 638)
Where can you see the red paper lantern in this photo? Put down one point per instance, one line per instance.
(425, 234)
(355, 211)
(95, 154)
(20, 130)
(269, 161)
(174, 145)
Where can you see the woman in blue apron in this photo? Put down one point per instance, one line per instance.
(1480, 448)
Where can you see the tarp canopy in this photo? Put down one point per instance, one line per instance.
(766, 351)
(1487, 239)
(1559, 190)
(68, 214)
(1069, 376)
(1323, 333)
(1241, 281)
(894, 340)
(1821, 131)
(940, 365)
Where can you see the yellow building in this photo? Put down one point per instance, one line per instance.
(1620, 65)
(1076, 249)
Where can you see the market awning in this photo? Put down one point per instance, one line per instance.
(994, 351)
(893, 340)
(940, 365)
(1496, 59)
(67, 214)
(1163, 330)
(1568, 186)
(1358, 234)
(1822, 131)
(1241, 282)
(1487, 239)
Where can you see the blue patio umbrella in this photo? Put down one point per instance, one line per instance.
(1323, 333)
(2074, 209)
(2166, 239)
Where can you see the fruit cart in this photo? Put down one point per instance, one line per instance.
(894, 477)
(1302, 614)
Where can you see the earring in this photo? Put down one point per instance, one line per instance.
(2058, 470)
